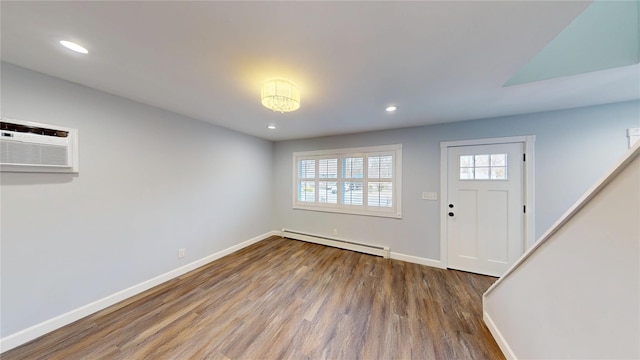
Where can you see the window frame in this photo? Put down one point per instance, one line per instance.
(394, 211)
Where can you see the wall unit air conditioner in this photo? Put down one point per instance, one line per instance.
(27, 146)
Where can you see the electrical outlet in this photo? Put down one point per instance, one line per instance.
(335, 232)
(181, 253)
(429, 196)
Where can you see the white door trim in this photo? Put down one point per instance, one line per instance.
(528, 188)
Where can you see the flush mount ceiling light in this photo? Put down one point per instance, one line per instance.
(73, 46)
(271, 127)
(280, 95)
(391, 108)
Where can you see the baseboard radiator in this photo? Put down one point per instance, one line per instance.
(338, 243)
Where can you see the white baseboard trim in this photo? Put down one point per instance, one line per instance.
(35, 331)
(417, 260)
(497, 335)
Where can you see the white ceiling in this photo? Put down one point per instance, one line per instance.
(438, 61)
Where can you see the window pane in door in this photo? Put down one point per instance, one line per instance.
(482, 160)
(482, 173)
(499, 173)
(466, 173)
(466, 161)
(498, 160)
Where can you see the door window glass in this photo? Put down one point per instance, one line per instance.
(483, 167)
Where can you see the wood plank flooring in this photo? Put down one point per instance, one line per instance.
(286, 299)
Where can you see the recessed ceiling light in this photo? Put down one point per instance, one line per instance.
(271, 127)
(391, 108)
(73, 46)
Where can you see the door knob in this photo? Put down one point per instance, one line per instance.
(451, 214)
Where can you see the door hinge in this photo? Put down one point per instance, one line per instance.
(524, 209)
(524, 157)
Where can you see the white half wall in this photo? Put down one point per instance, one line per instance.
(150, 182)
(576, 294)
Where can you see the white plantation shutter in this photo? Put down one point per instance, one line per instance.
(363, 181)
(380, 180)
(306, 180)
(328, 180)
(353, 177)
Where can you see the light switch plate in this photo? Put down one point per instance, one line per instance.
(429, 196)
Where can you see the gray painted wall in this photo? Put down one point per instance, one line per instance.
(150, 182)
(573, 149)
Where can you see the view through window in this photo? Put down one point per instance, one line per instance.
(358, 180)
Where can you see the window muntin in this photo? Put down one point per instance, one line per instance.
(360, 181)
(483, 167)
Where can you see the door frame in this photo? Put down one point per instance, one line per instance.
(528, 187)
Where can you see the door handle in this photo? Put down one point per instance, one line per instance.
(451, 214)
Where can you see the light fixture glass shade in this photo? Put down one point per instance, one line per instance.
(280, 95)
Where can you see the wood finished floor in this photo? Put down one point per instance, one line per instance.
(286, 299)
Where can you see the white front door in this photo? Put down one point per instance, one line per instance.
(485, 205)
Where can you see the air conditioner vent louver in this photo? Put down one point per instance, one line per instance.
(32, 147)
(32, 154)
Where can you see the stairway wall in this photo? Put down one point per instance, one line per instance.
(576, 293)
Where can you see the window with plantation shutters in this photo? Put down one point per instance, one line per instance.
(362, 181)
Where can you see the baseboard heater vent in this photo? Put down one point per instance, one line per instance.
(338, 243)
